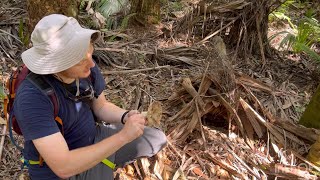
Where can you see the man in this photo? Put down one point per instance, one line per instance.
(62, 55)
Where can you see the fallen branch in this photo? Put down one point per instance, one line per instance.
(215, 33)
(135, 70)
(224, 165)
(2, 139)
(309, 134)
(110, 49)
(290, 172)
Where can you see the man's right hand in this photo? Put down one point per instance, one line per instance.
(133, 128)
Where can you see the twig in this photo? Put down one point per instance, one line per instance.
(224, 165)
(9, 23)
(2, 139)
(218, 31)
(5, 32)
(109, 49)
(243, 163)
(260, 42)
(135, 70)
(138, 98)
(238, 44)
(173, 148)
(201, 127)
(9, 56)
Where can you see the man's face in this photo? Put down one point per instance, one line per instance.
(82, 69)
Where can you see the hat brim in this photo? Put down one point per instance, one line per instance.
(64, 57)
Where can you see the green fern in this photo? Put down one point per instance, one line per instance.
(308, 51)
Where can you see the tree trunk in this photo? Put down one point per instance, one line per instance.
(147, 11)
(37, 9)
(249, 33)
(311, 116)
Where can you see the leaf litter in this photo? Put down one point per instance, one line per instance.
(223, 118)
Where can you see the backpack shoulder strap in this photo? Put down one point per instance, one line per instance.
(46, 88)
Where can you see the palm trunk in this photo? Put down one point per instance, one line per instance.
(311, 116)
(147, 11)
(38, 9)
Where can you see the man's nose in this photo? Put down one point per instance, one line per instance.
(91, 62)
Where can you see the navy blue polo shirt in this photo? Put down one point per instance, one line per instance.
(34, 113)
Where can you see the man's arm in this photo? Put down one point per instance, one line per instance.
(66, 163)
(109, 112)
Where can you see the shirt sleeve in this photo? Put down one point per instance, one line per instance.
(97, 80)
(34, 112)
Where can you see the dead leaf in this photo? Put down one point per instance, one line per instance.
(198, 172)
(2, 121)
(129, 170)
(154, 114)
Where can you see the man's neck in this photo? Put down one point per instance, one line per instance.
(63, 78)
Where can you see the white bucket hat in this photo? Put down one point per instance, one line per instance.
(59, 42)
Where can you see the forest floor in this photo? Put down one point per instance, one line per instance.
(225, 117)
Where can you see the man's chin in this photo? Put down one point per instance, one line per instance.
(86, 74)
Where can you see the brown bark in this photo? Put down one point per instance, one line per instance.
(249, 32)
(37, 9)
(147, 11)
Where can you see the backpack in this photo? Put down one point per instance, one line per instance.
(12, 85)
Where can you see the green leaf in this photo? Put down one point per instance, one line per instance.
(277, 34)
(308, 51)
(2, 94)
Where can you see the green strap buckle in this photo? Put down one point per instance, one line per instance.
(109, 163)
(105, 161)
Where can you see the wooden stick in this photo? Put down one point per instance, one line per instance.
(110, 49)
(2, 139)
(138, 98)
(135, 70)
(215, 33)
(260, 42)
(224, 165)
(5, 32)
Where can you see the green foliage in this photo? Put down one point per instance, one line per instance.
(285, 6)
(176, 6)
(281, 13)
(2, 94)
(125, 21)
(280, 16)
(82, 4)
(22, 34)
(108, 7)
(307, 33)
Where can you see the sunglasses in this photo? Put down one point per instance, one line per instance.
(81, 90)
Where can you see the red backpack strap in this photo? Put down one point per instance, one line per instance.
(12, 85)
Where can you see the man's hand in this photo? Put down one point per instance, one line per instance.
(130, 113)
(133, 127)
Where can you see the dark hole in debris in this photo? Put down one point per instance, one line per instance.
(215, 121)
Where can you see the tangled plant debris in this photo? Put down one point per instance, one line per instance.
(224, 116)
